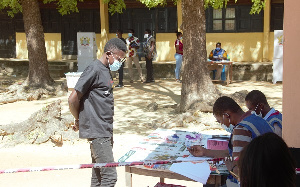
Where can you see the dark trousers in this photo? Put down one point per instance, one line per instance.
(149, 68)
(101, 152)
(121, 74)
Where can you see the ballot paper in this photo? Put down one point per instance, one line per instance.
(196, 171)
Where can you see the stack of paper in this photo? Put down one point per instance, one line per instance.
(196, 171)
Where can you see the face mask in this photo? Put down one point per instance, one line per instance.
(180, 38)
(228, 129)
(129, 34)
(116, 35)
(218, 48)
(146, 35)
(115, 66)
(254, 112)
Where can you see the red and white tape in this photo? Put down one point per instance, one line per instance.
(99, 165)
(113, 164)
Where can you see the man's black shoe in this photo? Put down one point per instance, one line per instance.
(147, 81)
(119, 86)
(152, 80)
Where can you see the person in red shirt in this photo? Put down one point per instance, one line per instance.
(178, 55)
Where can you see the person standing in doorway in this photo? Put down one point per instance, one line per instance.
(92, 105)
(121, 74)
(133, 44)
(178, 55)
(150, 54)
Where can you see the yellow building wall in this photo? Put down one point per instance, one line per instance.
(271, 46)
(52, 43)
(241, 47)
(21, 46)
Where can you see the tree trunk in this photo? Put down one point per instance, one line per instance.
(38, 65)
(198, 91)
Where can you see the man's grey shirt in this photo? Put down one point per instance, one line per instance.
(97, 103)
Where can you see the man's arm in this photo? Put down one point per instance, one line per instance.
(211, 55)
(152, 44)
(199, 151)
(74, 104)
(137, 41)
(224, 55)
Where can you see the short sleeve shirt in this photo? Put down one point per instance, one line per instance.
(132, 41)
(180, 44)
(97, 103)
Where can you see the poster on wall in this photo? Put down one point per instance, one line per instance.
(278, 56)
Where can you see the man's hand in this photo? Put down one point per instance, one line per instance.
(75, 127)
(197, 150)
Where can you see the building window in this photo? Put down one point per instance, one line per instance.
(224, 19)
(233, 19)
(160, 20)
(230, 19)
(276, 17)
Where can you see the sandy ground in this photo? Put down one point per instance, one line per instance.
(131, 119)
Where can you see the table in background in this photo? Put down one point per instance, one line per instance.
(228, 72)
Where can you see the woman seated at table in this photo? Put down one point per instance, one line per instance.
(217, 54)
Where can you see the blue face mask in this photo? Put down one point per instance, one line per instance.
(116, 35)
(218, 48)
(115, 66)
(129, 34)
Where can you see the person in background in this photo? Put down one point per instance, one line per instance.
(243, 128)
(178, 55)
(257, 102)
(217, 54)
(92, 105)
(133, 44)
(150, 53)
(267, 161)
(121, 74)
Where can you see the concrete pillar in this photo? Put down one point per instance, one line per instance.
(267, 17)
(291, 76)
(179, 16)
(104, 25)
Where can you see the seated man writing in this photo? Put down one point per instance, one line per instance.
(257, 102)
(242, 126)
(217, 54)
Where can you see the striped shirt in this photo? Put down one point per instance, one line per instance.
(241, 137)
(249, 128)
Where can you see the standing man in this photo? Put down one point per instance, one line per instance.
(120, 85)
(92, 105)
(217, 54)
(150, 53)
(133, 44)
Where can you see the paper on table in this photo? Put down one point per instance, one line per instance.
(217, 144)
(196, 171)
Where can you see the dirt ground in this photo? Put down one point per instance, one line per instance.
(132, 122)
